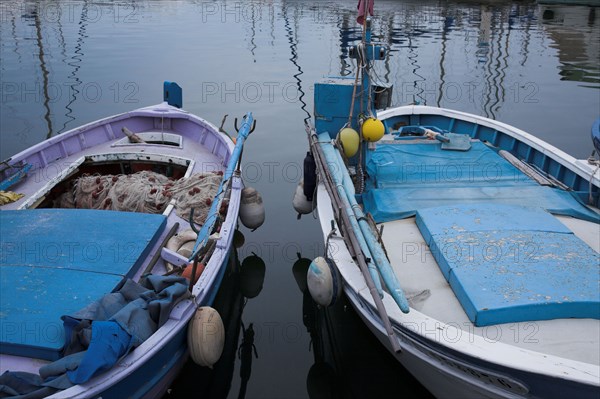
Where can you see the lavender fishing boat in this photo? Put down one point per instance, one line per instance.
(112, 250)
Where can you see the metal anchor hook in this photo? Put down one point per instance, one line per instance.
(237, 129)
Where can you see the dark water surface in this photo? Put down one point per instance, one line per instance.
(65, 63)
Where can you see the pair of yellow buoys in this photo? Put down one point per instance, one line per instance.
(372, 130)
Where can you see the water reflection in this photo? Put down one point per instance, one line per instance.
(35, 15)
(348, 362)
(241, 282)
(575, 31)
(73, 80)
(291, 34)
(246, 352)
(475, 57)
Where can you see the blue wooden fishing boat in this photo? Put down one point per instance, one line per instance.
(470, 248)
(113, 250)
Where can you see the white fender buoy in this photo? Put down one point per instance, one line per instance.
(324, 281)
(179, 240)
(186, 249)
(252, 276)
(252, 210)
(206, 336)
(301, 205)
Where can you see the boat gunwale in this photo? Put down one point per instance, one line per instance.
(540, 145)
(153, 111)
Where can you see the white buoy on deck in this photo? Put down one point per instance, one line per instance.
(252, 210)
(324, 281)
(301, 205)
(180, 243)
(206, 336)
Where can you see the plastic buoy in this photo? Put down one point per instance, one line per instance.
(206, 336)
(301, 205)
(350, 140)
(187, 249)
(252, 210)
(252, 276)
(180, 242)
(324, 281)
(373, 129)
(187, 272)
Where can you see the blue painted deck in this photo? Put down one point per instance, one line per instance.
(508, 264)
(404, 178)
(56, 261)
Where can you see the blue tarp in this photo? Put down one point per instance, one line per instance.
(56, 261)
(404, 178)
(101, 333)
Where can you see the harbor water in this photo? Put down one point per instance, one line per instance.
(65, 63)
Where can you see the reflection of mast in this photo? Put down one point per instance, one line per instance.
(485, 33)
(447, 23)
(413, 56)
(253, 35)
(272, 24)
(76, 65)
(38, 31)
(14, 34)
(387, 60)
(348, 35)
(293, 41)
(63, 46)
(526, 39)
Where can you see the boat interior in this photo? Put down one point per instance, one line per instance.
(481, 245)
(91, 166)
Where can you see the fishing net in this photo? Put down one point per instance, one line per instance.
(146, 192)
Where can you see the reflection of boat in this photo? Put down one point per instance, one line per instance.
(481, 283)
(348, 360)
(240, 283)
(215, 382)
(100, 211)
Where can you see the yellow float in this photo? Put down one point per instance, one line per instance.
(372, 129)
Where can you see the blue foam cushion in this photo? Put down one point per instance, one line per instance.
(404, 178)
(509, 264)
(56, 261)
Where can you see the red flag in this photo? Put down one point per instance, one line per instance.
(364, 7)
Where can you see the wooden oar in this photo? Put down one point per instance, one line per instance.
(248, 126)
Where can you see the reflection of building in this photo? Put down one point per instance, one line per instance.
(576, 35)
(595, 3)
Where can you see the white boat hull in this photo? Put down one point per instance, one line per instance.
(449, 360)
